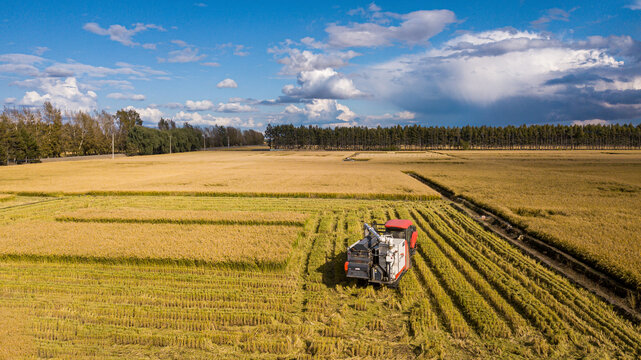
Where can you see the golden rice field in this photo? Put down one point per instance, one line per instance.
(588, 202)
(215, 172)
(172, 275)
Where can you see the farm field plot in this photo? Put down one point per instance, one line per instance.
(586, 202)
(217, 172)
(468, 295)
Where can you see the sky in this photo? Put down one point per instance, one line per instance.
(248, 64)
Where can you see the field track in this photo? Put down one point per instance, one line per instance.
(469, 294)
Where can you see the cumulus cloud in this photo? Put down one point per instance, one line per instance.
(64, 94)
(415, 28)
(121, 96)
(322, 84)
(322, 112)
(121, 33)
(504, 75)
(297, 60)
(149, 115)
(10, 100)
(227, 83)
(199, 119)
(201, 105)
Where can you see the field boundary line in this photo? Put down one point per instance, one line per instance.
(161, 221)
(309, 195)
(120, 260)
(606, 286)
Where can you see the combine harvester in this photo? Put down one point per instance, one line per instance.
(383, 256)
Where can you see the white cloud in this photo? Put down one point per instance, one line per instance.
(202, 5)
(635, 5)
(148, 114)
(553, 14)
(77, 69)
(188, 54)
(199, 105)
(211, 64)
(233, 107)
(227, 83)
(322, 112)
(22, 69)
(241, 50)
(483, 79)
(211, 120)
(10, 100)
(120, 33)
(590, 122)
(39, 50)
(322, 84)
(21, 59)
(503, 75)
(297, 60)
(64, 94)
(121, 96)
(415, 28)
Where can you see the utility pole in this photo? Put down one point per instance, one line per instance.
(227, 141)
(170, 144)
(204, 146)
(112, 140)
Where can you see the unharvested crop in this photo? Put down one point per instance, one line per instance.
(208, 243)
(586, 202)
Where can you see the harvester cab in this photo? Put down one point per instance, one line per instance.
(383, 256)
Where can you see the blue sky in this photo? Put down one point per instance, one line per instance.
(246, 64)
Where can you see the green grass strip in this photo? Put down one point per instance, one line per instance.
(181, 221)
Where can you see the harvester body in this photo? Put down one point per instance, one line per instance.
(384, 253)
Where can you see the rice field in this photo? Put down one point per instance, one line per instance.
(220, 172)
(586, 202)
(165, 285)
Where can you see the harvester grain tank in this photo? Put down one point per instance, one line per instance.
(384, 254)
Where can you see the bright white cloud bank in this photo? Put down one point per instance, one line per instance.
(503, 75)
(64, 94)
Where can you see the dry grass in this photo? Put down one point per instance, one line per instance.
(587, 201)
(215, 171)
(209, 243)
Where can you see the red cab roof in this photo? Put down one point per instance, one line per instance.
(398, 223)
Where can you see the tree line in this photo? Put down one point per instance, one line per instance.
(415, 137)
(27, 135)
